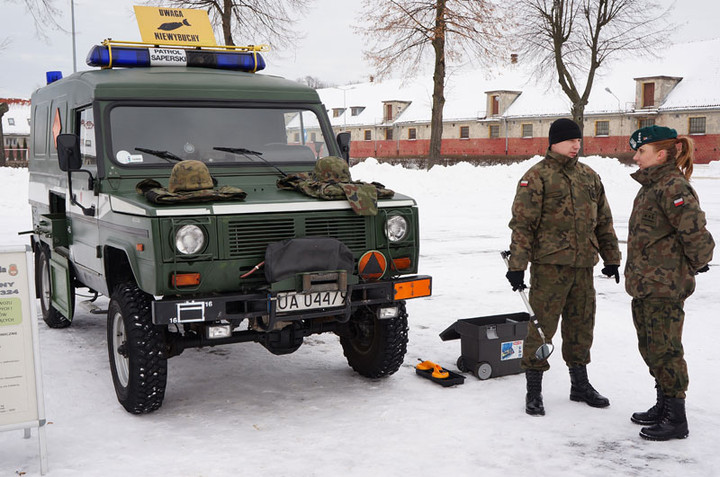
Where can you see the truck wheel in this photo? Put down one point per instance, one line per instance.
(375, 348)
(136, 350)
(52, 317)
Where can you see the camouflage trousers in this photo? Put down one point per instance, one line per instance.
(659, 324)
(557, 290)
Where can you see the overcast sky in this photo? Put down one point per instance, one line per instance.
(331, 50)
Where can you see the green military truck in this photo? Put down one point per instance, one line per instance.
(235, 259)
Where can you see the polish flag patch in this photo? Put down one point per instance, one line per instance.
(678, 202)
(523, 183)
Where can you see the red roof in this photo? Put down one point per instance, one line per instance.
(10, 101)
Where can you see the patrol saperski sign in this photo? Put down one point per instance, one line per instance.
(173, 26)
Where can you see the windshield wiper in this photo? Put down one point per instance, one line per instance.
(167, 155)
(249, 153)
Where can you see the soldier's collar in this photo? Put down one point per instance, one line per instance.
(654, 173)
(562, 160)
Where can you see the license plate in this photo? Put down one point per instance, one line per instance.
(294, 301)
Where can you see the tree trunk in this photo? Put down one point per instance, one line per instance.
(578, 115)
(226, 16)
(438, 103)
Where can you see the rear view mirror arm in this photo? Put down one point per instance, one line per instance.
(90, 211)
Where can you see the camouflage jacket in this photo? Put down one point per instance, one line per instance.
(667, 238)
(331, 180)
(361, 195)
(561, 216)
(156, 193)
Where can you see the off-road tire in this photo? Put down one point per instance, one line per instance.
(136, 349)
(375, 348)
(52, 317)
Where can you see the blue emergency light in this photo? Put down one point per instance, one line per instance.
(108, 56)
(53, 76)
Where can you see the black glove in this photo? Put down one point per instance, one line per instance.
(612, 271)
(516, 279)
(703, 269)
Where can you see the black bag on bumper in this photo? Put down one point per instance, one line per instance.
(307, 254)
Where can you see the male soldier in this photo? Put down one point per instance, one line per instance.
(561, 220)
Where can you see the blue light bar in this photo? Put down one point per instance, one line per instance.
(53, 76)
(129, 57)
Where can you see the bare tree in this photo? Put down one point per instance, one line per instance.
(574, 38)
(43, 13)
(313, 82)
(249, 21)
(404, 34)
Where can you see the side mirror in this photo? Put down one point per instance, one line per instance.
(343, 140)
(68, 148)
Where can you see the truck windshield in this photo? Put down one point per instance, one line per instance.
(162, 135)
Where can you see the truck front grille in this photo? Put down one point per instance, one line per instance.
(248, 239)
(349, 230)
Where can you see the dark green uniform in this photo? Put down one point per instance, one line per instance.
(667, 243)
(561, 222)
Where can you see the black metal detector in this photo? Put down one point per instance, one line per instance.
(546, 349)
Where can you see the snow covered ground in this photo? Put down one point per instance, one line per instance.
(239, 410)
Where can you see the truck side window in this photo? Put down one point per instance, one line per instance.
(40, 118)
(87, 137)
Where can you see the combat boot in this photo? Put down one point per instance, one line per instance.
(672, 425)
(652, 415)
(581, 389)
(533, 398)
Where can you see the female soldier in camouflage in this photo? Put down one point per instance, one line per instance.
(668, 245)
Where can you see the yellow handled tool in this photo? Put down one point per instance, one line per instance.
(438, 372)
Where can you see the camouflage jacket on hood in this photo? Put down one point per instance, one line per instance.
(331, 180)
(667, 238)
(561, 216)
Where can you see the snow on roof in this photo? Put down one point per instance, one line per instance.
(19, 115)
(466, 92)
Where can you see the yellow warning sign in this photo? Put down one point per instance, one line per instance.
(174, 26)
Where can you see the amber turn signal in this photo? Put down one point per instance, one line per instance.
(402, 263)
(185, 279)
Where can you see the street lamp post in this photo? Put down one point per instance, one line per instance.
(620, 110)
(344, 90)
(616, 98)
(72, 17)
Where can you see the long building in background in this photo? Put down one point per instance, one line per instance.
(507, 112)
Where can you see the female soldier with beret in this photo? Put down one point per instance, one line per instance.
(668, 245)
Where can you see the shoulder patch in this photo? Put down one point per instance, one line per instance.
(678, 201)
(524, 183)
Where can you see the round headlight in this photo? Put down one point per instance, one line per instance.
(189, 239)
(396, 228)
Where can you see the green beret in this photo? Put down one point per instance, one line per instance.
(651, 134)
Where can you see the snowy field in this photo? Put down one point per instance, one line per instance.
(241, 411)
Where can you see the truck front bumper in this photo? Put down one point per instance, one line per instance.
(237, 307)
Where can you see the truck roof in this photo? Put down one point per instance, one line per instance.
(176, 83)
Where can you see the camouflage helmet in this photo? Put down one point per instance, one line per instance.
(331, 168)
(189, 176)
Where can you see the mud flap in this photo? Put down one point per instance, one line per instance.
(60, 285)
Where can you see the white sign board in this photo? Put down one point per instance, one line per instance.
(21, 399)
